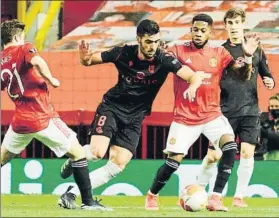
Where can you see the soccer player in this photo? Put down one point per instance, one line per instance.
(239, 103)
(203, 116)
(34, 115)
(143, 69)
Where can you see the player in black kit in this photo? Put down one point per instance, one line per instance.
(143, 69)
(239, 103)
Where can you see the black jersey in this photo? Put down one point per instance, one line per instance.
(238, 97)
(139, 80)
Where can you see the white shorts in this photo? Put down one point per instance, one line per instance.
(181, 137)
(57, 136)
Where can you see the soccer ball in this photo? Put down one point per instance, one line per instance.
(193, 198)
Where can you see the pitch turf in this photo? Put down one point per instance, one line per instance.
(45, 206)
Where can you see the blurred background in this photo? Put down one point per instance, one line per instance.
(56, 27)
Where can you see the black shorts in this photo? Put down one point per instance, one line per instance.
(122, 130)
(247, 128)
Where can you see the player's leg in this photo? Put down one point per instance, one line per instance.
(180, 139)
(209, 164)
(123, 146)
(220, 133)
(6, 155)
(13, 144)
(102, 128)
(62, 140)
(124, 143)
(249, 133)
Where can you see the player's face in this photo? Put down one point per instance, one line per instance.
(273, 104)
(234, 27)
(148, 44)
(19, 38)
(200, 32)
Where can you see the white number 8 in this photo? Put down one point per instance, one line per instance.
(11, 79)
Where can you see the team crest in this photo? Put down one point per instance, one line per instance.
(172, 141)
(151, 68)
(212, 62)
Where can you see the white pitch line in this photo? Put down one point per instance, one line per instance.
(126, 207)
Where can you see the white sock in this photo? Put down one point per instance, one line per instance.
(207, 171)
(88, 153)
(101, 176)
(244, 174)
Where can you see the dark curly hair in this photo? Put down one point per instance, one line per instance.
(148, 27)
(9, 29)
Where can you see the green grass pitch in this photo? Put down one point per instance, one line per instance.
(124, 206)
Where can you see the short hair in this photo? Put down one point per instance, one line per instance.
(148, 27)
(274, 97)
(235, 12)
(203, 17)
(9, 29)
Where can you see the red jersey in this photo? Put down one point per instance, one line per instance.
(26, 88)
(206, 107)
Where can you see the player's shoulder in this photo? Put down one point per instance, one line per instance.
(215, 46)
(184, 46)
(29, 47)
(217, 49)
(129, 49)
(179, 49)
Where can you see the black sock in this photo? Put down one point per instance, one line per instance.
(163, 175)
(225, 166)
(81, 176)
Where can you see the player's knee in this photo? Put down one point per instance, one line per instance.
(176, 157)
(213, 157)
(76, 152)
(246, 154)
(95, 152)
(98, 154)
(247, 150)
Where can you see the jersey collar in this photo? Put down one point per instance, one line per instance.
(194, 48)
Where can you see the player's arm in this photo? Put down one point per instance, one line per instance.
(89, 58)
(265, 72)
(32, 57)
(39, 63)
(186, 73)
(243, 70)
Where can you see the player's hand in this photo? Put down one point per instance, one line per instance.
(163, 45)
(250, 44)
(268, 82)
(196, 81)
(190, 93)
(84, 52)
(55, 82)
